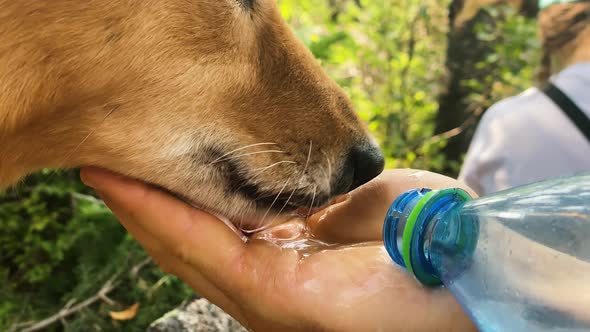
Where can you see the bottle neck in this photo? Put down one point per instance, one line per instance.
(439, 235)
(418, 222)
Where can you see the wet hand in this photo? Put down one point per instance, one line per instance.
(359, 215)
(269, 287)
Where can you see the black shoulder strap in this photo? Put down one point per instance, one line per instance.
(573, 112)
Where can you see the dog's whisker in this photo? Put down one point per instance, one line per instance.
(300, 179)
(329, 180)
(275, 200)
(69, 155)
(288, 199)
(312, 200)
(240, 149)
(262, 221)
(261, 225)
(247, 154)
(326, 178)
(262, 169)
(285, 205)
(64, 162)
(87, 137)
(264, 195)
(306, 163)
(308, 156)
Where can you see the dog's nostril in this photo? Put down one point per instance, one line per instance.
(363, 163)
(367, 162)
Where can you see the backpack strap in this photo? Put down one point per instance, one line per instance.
(573, 112)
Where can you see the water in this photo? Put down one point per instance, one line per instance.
(518, 260)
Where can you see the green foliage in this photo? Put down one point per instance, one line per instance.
(58, 242)
(516, 47)
(29, 214)
(389, 57)
(517, 53)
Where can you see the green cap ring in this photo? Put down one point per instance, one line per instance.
(409, 229)
(414, 223)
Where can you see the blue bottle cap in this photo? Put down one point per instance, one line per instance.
(405, 226)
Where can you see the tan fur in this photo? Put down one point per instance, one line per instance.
(146, 88)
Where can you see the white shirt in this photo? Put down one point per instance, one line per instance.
(527, 138)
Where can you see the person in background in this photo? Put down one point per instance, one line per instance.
(543, 132)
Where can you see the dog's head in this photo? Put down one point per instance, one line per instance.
(214, 100)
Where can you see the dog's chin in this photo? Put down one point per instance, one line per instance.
(246, 222)
(249, 223)
(259, 213)
(262, 220)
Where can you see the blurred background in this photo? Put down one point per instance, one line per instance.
(420, 73)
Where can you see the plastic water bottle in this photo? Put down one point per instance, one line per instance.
(518, 260)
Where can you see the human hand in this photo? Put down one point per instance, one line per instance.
(358, 216)
(267, 286)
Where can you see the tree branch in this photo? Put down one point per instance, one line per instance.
(108, 286)
(469, 122)
(70, 309)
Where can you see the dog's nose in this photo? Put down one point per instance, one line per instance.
(363, 163)
(367, 162)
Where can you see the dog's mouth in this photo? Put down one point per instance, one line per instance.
(283, 205)
(249, 200)
(284, 199)
(268, 207)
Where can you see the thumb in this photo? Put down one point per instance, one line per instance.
(359, 215)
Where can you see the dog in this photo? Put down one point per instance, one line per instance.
(215, 101)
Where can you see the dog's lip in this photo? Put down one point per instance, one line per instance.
(227, 221)
(288, 212)
(219, 215)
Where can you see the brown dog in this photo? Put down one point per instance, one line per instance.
(214, 100)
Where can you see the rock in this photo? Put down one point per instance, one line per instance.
(197, 316)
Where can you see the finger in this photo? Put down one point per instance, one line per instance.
(195, 237)
(147, 241)
(196, 281)
(359, 216)
(172, 265)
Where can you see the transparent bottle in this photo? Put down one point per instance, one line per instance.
(518, 260)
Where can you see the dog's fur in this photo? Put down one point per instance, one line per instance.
(163, 90)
